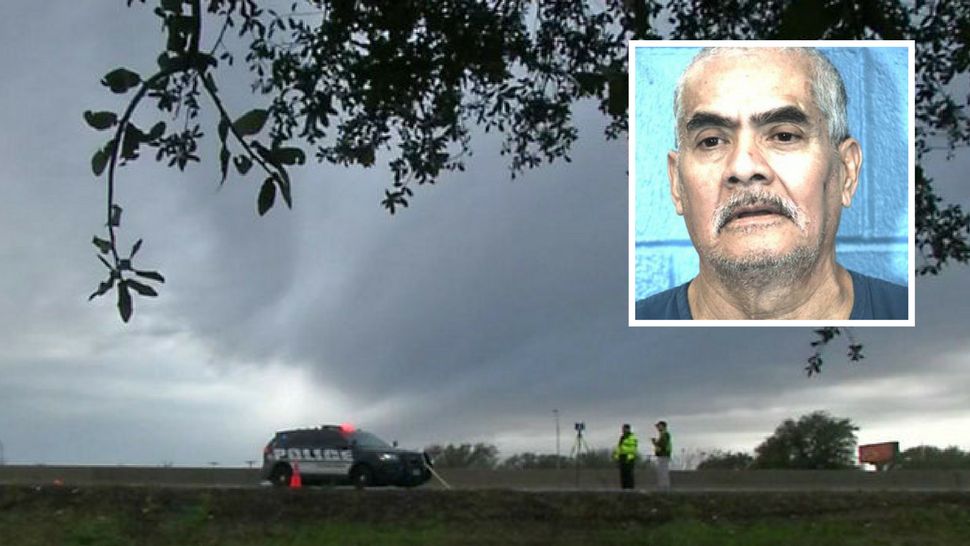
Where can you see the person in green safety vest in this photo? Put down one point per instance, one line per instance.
(625, 453)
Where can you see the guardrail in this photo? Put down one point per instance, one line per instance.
(127, 475)
(463, 478)
(712, 480)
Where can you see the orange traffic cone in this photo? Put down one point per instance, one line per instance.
(296, 481)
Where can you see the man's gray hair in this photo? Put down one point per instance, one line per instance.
(828, 89)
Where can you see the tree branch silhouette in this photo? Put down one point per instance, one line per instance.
(408, 78)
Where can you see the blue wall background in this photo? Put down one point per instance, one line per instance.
(873, 235)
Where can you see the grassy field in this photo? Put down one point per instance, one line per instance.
(182, 516)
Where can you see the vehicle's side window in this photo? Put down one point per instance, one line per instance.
(307, 439)
(331, 439)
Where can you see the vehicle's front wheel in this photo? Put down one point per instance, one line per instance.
(362, 476)
(281, 475)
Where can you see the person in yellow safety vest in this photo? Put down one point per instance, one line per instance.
(625, 454)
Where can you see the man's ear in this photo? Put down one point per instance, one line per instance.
(674, 177)
(851, 154)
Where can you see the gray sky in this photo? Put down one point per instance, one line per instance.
(469, 317)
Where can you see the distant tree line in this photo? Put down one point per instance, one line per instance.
(486, 456)
(816, 441)
(929, 457)
(478, 455)
(820, 441)
(915, 458)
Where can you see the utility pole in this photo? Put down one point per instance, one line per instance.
(556, 412)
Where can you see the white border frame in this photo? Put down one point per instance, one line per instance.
(910, 46)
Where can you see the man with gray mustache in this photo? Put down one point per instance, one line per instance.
(763, 166)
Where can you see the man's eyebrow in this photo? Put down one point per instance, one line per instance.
(709, 119)
(784, 114)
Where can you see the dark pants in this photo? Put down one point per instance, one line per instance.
(626, 474)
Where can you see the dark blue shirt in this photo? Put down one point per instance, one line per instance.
(873, 299)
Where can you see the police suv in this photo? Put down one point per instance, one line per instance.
(341, 455)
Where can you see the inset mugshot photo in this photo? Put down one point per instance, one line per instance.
(771, 182)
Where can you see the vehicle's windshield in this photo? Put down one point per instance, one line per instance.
(368, 440)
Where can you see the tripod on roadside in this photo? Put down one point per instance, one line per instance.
(579, 447)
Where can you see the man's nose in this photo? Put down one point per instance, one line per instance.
(747, 164)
